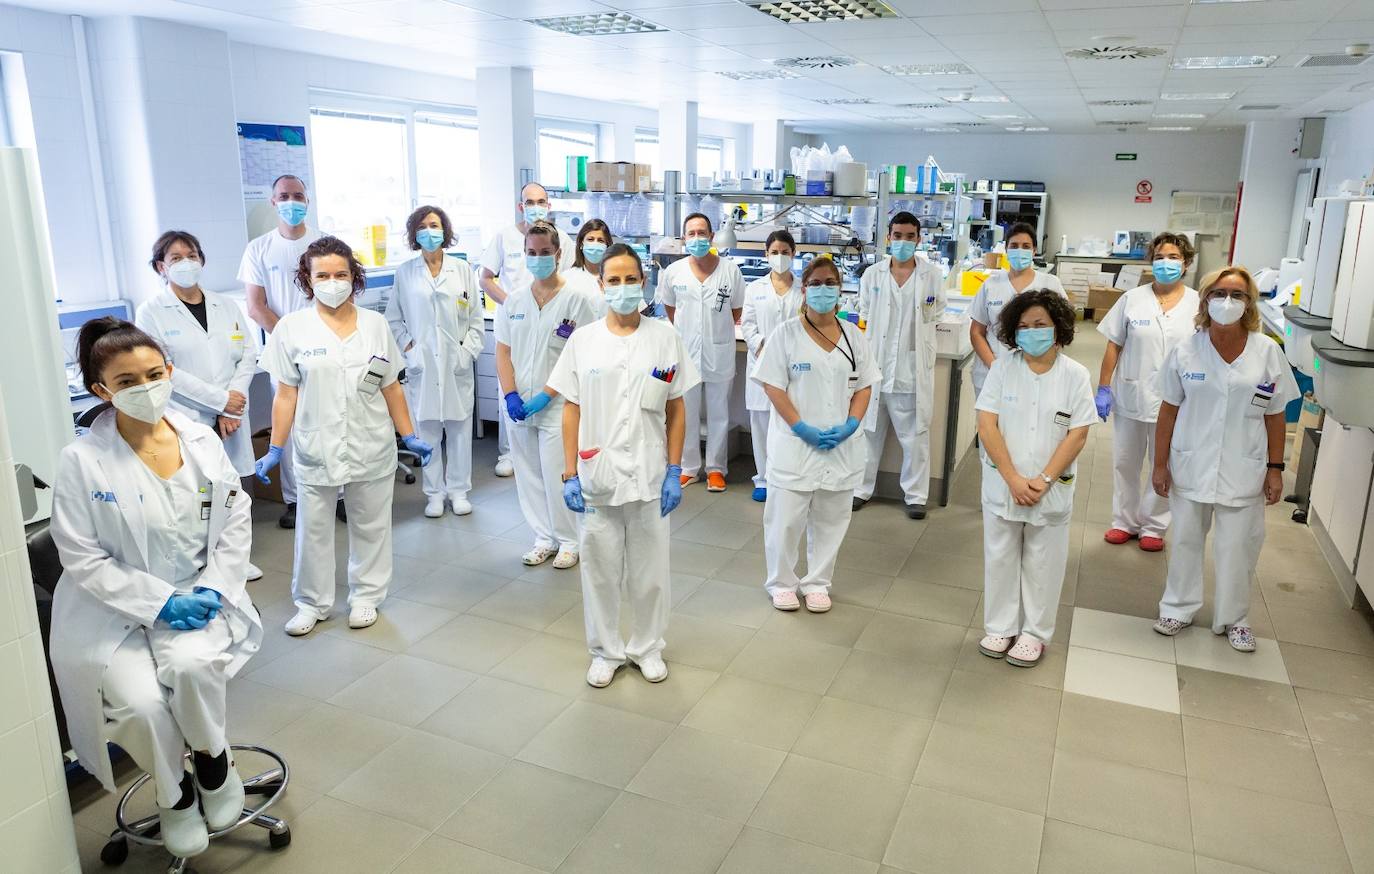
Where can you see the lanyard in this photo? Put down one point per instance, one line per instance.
(849, 356)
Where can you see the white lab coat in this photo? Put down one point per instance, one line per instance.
(342, 432)
(442, 316)
(899, 322)
(1146, 335)
(207, 362)
(583, 282)
(106, 591)
(1220, 446)
(987, 306)
(536, 337)
(271, 261)
(704, 314)
(505, 257)
(764, 311)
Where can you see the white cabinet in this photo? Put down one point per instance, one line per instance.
(1340, 487)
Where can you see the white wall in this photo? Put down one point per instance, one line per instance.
(1347, 148)
(1091, 193)
(1269, 169)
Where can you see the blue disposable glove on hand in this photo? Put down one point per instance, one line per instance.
(185, 612)
(671, 494)
(1104, 401)
(515, 408)
(267, 462)
(537, 403)
(419, 447)
(809, 434)
(832, 437)
(572, 495)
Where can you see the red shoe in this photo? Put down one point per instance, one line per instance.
(1152, 544)
(1116, 536)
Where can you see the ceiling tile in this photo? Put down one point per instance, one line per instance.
(1120, 20)
(976, 25)
(710, 17)
(1271, 12)
(923, 8)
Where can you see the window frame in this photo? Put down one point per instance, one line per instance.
(545, 122)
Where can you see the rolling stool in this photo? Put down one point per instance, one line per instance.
(271, 784)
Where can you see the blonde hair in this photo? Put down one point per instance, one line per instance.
(543, 228)
(1250, 321)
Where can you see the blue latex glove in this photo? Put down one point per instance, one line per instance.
(809, 434)
(1104, 401)
(572, 495)
(419, 447)
(537, 403)
(185, 612)
(832, 437)
(515, 408)
(267, 462)
(671, 494)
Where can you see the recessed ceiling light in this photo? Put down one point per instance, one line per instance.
(1120, 123)
(1203, 2)
(1224, 62)
(962, 124)
(976, 98)
(1170, 127)
(816, 62)
(1003, 117)
(1120, 102)
(1180, 115)
(1333, 60)
(813, 11)
(1036, 130)
(927, 70)
(753, 75)
(1114, 53)
(919, 107)
(1259, 107)
(597, 24)
(940, 130)
(1198, 95)
(843, 101)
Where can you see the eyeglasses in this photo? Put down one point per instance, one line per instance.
(1234, 295)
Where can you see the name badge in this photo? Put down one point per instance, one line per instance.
(853, 383)
(565, 329)
(230, 498)
(205, 511)
(1261, 400)
(1061, 418)
(372, 376)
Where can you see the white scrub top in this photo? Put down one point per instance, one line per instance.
(589, 284)
(177, 513)
(271, 261)
(342, 433)
(704, 317)
(623, 385)
(820, 383)
(1145, 334)
(1035, 412)
(442, 316)
(764, 311)
(536, 338)
(505, 256)
(1220, 448)
(987, 306)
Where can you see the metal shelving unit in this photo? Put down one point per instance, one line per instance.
(997, 216)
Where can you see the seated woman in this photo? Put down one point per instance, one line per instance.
(151, 617)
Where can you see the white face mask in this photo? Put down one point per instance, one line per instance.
(1225, 310)
(184, 273)
(780, 263)
(332, 292)
(146, 402)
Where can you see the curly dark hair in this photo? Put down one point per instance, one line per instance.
(319, 249)
(1061, 313)
(1169, 238)
(419, 215)
(165, 242)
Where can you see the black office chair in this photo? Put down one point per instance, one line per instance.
(87, 419)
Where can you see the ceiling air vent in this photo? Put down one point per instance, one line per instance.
(1340, 60)
(1260, 107)
(816, 62)
(1120, 102)
(813, 11)
(1114, 53)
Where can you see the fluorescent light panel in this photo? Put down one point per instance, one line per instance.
(843, 101)
(1180, 115)
(1170, 127)
(597, 24)
(815, 11)
(927, 70)
(1224, 62)
(755, 75)
(976, 98)
(1198, 95)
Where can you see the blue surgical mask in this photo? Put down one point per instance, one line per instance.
(292, 212)
(697, 247)
(1035, 341)
(822, 298)
(902, 250)
(542, 266)
(1020, 259)
(1166, 270)
(624, 299)
(535, 213)
(593, 252)
(429, 238)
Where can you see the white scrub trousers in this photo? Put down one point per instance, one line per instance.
(449, 472)
(502, 433)
(625, 548)
(717, 428)
(1136, 509)
(1023, 573)
(758, 436)
(914, 438)
(369, 545)
(1235, 552)
(286, 468)
(164, 694)
(824, 517)
(537, 454)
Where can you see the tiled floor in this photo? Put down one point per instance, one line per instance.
(459, 735)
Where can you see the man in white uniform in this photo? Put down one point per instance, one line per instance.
(503, 271)
(900, 300)
(268, 274)
(704, 296)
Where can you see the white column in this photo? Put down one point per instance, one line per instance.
(1269, 170)
(36, 829)
(770, 150)
(677, 136)
(622, 132)
(506, 140)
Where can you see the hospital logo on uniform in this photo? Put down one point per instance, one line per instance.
(314, 353)
(1196, 376)
(515, 317)
(1140, 323)
(106, 497)
(801, 367)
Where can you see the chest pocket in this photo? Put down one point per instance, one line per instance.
(653, 395)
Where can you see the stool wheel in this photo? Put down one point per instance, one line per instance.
(410, 479)
(115, 853)
(277, 841)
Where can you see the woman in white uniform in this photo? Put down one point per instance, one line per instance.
(531, 331)
(212, 346)
(623, 424)
(1219, 453)
(338, 401)
(819, 374)
(768, 302)
(151, 617)
(1033, 418)
(593, 238)
(1141, 328)
(435, 313)
(1000, 287)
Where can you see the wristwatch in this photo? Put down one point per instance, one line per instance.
(1047, 480)
(1276, 465)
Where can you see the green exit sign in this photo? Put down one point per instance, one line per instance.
(1125, 156)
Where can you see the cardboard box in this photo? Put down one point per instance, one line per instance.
(1101, 299)
(1312, 416)
(272, 490)
(618, 176)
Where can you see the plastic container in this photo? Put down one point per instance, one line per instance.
(851, 179)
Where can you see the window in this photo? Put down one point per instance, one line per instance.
(710, 158)
(646, 150)
(362, 177)
(6, 138)
(448, 175)
(560, 140)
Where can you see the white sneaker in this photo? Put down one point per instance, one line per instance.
(504, 467)
(223, 806)
(434, 507)
(183, 831)
(653, 668)
(461, 505)
(538, 555)
(302, 623)
(600, 674)
(566, 559)
(362, 617)
(254, 573)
